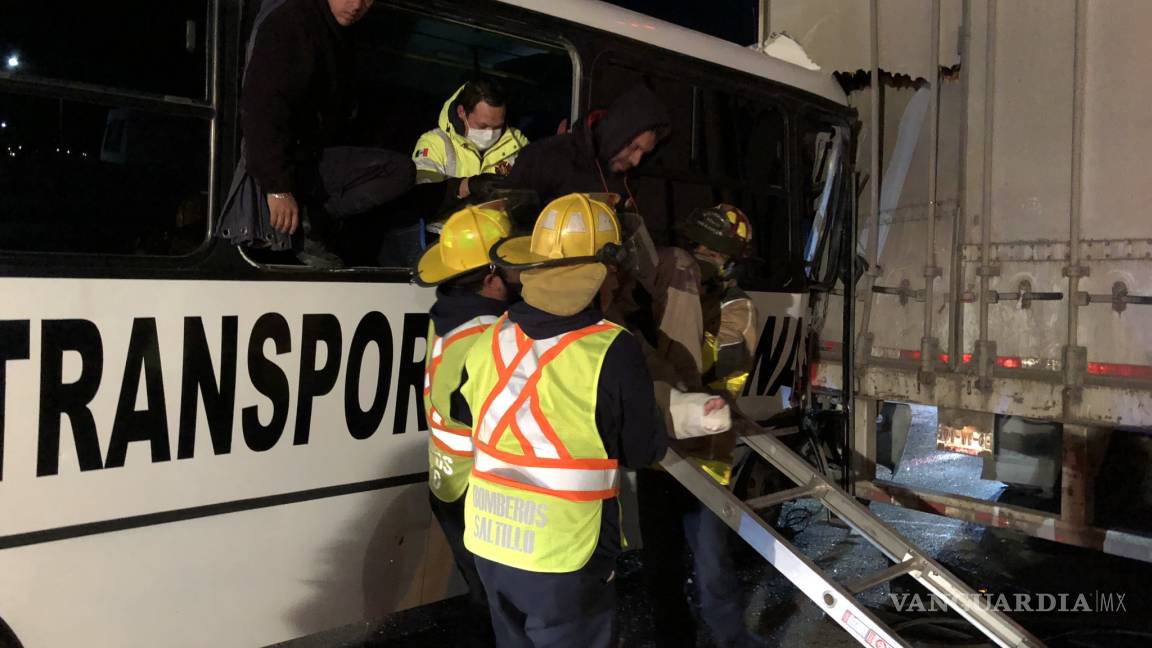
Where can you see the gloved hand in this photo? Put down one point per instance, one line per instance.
(641, 257)
(481, 187)
(695, 414)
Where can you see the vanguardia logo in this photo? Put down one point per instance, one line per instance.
(1020, 602)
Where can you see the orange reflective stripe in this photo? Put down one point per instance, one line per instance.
(525, 445)
(452, 439)
(443, 344)
(583, 464)
(575, 496)
(505, 373)
(436, 421)
(546, 426)
(445, 445)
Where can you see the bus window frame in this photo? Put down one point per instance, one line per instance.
(55, 262)
(813, 117)
(492, 23)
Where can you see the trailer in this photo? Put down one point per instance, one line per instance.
(1003, 260)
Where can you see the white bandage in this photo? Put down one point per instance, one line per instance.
(689, 419)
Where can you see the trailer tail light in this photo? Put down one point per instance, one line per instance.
(1139, 372)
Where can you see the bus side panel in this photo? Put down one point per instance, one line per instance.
(243, 579)
(123, 506)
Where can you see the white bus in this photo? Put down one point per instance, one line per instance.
(202, 444)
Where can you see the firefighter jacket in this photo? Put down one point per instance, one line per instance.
(707, 336)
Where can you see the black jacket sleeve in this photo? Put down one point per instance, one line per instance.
(530, 171)
(458, 406)
(275, 84)
(626, 412)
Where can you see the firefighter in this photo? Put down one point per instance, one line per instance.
(672, 520)
(719, 238)
(470, 295)
(472, 138)
(559, 399)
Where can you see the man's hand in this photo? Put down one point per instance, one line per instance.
(482, 186)
(463, 191)
(713, 405)
(284, 212)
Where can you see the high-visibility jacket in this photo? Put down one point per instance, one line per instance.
(445, 152)
(450, 443)
(541, 472)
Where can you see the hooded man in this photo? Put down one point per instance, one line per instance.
(472, 137)
(597, 153)
(559, 399)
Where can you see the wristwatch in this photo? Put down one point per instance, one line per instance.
(280, 196)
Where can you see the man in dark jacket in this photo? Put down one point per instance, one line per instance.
(597, 153)
(296, 107)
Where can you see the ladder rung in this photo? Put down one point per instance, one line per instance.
(772, 499)
(883, 576)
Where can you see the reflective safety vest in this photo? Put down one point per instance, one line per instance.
(541, 472)
(444, 153)
(450, 444)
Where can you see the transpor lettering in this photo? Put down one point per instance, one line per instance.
(316, 381)
(200, 378)
(58, 399)
(13, 346)
(151, 423)
(269, 379)
(410, 375)
(373, 328)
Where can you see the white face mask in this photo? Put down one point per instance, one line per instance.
(484, 138)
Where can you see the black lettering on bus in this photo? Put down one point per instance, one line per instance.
(13, 346)
(58, 398)
(316, 381)
(199, 377)
(373, 327)
(410, 375)
(151, 423)
(269, 379)
(764, 365)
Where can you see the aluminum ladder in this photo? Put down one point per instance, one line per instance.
(836, 599)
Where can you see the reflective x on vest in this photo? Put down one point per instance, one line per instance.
(513, 406)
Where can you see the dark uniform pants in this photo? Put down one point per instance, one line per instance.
(671, 520)
(536, 610)
(477, 629)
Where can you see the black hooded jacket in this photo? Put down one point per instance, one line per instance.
(299, 92)
(577, 162)
(455, 305)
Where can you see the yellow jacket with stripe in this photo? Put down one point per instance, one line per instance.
(445, 152)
